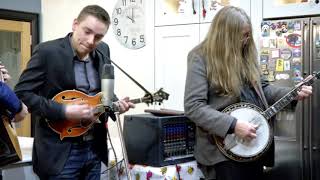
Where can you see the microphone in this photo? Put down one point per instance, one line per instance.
(107, 85)
(107, 89)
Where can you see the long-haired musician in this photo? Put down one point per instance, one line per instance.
(223, 70)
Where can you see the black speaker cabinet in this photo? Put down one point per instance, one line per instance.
(158, 140)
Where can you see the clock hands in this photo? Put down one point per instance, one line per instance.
(132, 16)
(132, 20)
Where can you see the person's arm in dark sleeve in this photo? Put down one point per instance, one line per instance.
(31, 82)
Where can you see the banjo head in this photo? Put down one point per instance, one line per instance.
(242, 150)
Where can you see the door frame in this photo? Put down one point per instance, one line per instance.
(32, 18)
(27, 17)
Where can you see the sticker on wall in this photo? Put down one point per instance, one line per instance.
(294, 40)
(280, 65)
(265, 42)
(264, 69)
(291, 27)
(272, 64)
(296, 52)
(264, 51)
(275, 53)
(282, 43)
(297, 76)
(285, 54)
(281, 28)
(271, 77)
(286, 66)
(273, 26)
(278, 33)
(265, 29)
(273, 43)
(296, 61)
(297, 26)
(282, 76)
(264, 59)
(296, 67)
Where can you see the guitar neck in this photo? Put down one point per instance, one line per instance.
(288, 98)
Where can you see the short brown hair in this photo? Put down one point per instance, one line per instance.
(96, 11)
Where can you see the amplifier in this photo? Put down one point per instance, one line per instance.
(158, 140)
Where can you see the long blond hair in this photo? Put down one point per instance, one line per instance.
(230, 63)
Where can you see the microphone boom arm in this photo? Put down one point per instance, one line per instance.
(130, 77)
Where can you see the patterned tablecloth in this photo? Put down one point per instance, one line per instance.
(183, 171)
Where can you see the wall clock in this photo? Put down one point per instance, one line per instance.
(128, 21)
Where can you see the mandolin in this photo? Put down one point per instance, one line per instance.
(73, 128)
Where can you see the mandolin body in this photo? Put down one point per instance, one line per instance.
(74, 128)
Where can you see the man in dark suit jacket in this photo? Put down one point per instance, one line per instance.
(72, 62)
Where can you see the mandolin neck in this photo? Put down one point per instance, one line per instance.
(137, 100)
(100, 107)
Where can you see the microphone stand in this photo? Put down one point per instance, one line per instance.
(123, 146)
(117, 118)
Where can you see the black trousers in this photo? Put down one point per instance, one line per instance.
(231, 170)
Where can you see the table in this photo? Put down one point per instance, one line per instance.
(22, 169)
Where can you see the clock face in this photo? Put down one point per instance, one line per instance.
(128, 20)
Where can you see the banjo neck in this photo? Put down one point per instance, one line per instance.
(289, 97)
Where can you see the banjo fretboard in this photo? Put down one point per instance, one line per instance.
(289, 97)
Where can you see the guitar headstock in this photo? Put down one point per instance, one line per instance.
(158, 97)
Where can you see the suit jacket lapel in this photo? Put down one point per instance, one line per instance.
(68, 61)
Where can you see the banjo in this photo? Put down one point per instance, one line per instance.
(242, 150)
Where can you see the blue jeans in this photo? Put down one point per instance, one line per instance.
(82, 164)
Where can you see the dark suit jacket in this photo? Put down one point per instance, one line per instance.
(50, 71)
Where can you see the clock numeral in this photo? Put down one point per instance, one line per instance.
(133, 42)
(118, 32)
(142, 38)
(119, 10)
(126, 37)
(132, 1)
(124, 2)
(116, 21)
